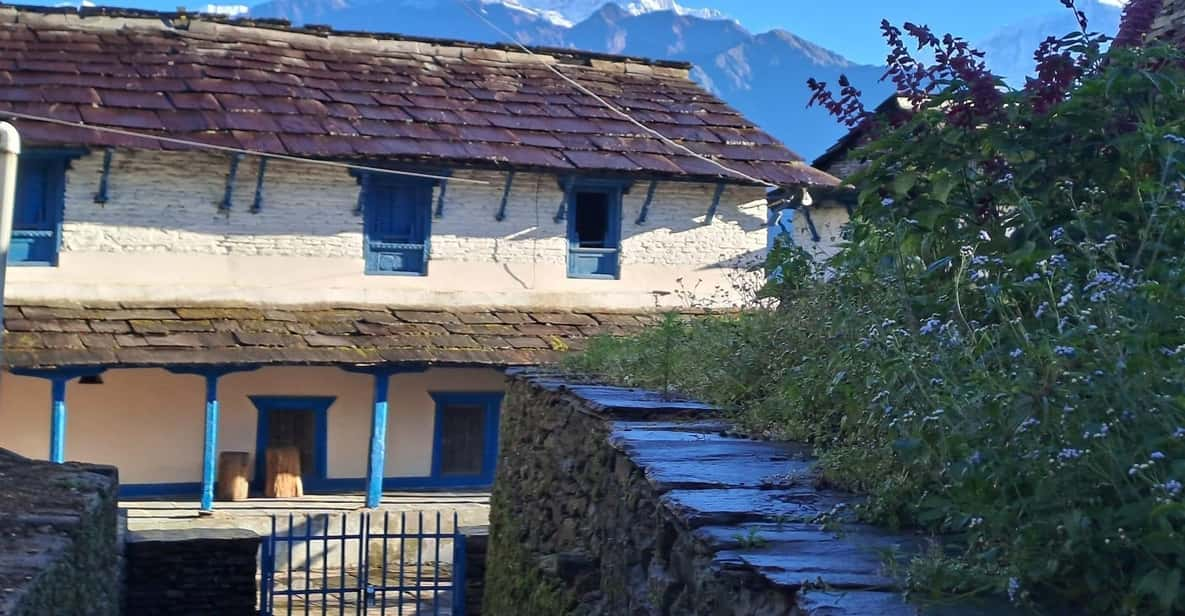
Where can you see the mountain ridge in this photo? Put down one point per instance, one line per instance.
(762, 75)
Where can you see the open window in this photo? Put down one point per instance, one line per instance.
(398, 217)
(40, 200)
(594, 232)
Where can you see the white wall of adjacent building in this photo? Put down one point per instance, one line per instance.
(150, 422)
(161, 237)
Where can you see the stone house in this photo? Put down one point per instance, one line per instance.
(411, 217)
(820, 213)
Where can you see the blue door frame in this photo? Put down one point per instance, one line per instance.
(319, 405)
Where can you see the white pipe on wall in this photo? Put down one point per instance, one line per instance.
(10, 150)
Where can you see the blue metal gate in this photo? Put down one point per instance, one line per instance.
(363, 563)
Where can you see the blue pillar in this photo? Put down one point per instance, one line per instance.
(57, 424)
(210, 446)
(378, 441)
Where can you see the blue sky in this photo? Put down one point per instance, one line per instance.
(852, 27)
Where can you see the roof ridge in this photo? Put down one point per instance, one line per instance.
(325, 31)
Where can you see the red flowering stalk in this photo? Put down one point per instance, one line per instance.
(960, 71)
(956, 61)
(848, 108)
(909, 75)
(1057, 71)
(1138, 18)
(1082, 23)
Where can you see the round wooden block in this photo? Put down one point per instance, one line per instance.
(283, 473)
(233, 475)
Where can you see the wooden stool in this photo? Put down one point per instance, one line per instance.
(233, 469)
(283, 473)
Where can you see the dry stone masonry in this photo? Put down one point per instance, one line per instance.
(192, 573)
(58, 538)
(618, 501)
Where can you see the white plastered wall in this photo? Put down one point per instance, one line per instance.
(150, 422)
(829, 221)
(161, 237)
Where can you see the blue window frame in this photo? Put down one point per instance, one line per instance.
(304, 420)
(397, 216)
(465, 438)
(594, 229)
(40, 200)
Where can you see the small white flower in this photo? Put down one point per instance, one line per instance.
(1171, 487)
(1068, 454)
(1027, 423)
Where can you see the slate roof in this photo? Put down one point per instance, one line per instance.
(133, 335)
(313, 92)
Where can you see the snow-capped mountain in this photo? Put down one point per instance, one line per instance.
(227, 10)
(567, 13)
(1010, 49)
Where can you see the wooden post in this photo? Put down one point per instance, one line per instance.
(232, 475)
(57, 422)
(210, 442)
(378, 441)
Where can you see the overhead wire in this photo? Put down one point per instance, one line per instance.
(619, 112)
(233, 150)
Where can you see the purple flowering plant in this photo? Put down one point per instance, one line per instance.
(1067, 192)
(994, 358)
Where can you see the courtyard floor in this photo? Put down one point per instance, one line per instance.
(472, 508)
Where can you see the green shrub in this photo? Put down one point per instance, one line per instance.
(999, 354)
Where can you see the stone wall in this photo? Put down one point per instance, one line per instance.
(305, 244)
(830, 221)
(169, 202)
(616, 501)
(194, 572)
(1170, 24)
(58, 538)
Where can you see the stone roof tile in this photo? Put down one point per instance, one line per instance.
(309, 92)
(144, 335)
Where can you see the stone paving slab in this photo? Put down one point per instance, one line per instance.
(721, 506)
(878, 603)
(675, 458)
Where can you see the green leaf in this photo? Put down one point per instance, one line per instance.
(1167, 594)
(942, 187)
(904, 182)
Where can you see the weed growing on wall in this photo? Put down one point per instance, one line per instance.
(998, 357)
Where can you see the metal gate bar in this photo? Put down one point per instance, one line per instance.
(361, 583)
